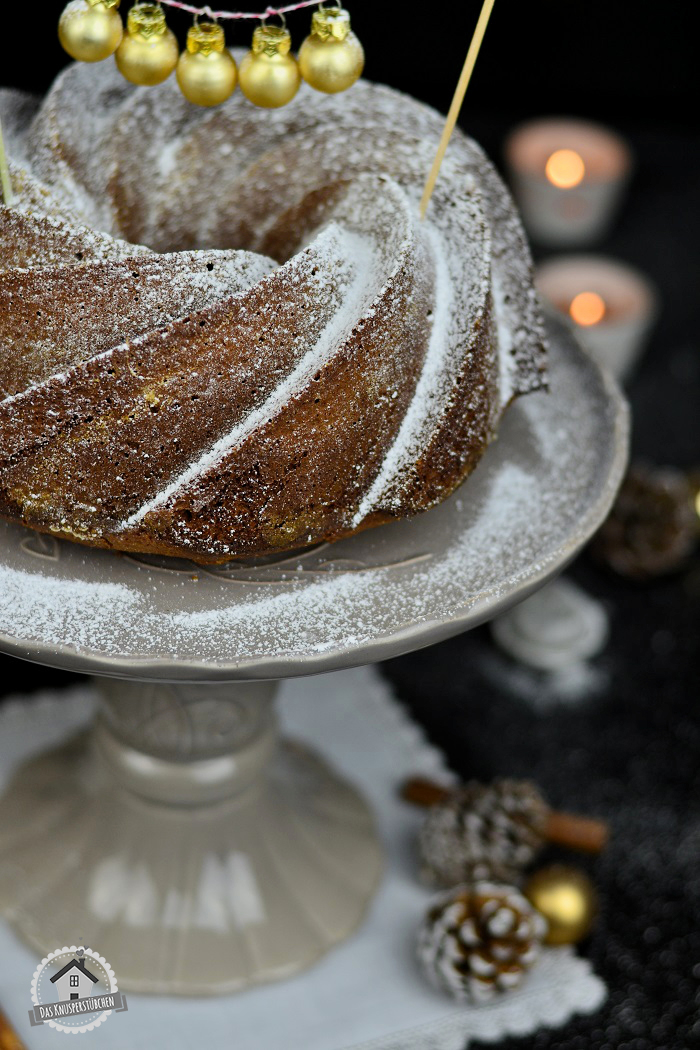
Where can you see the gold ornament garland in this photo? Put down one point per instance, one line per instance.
(146, 53)
(331, 58)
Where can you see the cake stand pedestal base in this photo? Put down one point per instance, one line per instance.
(180, 841)
(180, 837)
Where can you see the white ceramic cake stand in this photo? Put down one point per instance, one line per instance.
(180, 837)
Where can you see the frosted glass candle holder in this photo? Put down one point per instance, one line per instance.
(610, 306)
(568, 178)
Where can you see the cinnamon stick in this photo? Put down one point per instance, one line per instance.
(561, 829)
(423, 792)
(581, 833)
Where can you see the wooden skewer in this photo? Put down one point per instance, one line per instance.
(7, 194)
(9, 1040)
(563, 829)
(456, 104)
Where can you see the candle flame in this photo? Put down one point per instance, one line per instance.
(565, 169)
(587, 308)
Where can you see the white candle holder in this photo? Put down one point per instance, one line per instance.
(610, 306)
(560, 626)
(568, 177)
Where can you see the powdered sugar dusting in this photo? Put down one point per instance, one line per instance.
(537, 495)
(507, 361)
(55, 317)
(335, 243)
(70, 610)
(420, 412)
(109, 161)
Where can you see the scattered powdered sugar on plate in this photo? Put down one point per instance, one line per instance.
(539, 492)
(71, 610)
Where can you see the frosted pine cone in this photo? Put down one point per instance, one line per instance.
(653, 527)
(483, 832)
(478, 941)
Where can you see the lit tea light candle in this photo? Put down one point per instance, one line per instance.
(587, 308)
(565, 169)
(568, 177)
(610, 306)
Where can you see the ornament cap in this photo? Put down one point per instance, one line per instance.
(271, 40)
(104, 3)
(204, 38)
(330, 22)
(146, 19)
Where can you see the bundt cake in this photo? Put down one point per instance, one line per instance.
(227, 332)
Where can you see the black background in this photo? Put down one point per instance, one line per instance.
(631, 751)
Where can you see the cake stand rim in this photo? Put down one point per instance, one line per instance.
(274, 668)
(385, 646)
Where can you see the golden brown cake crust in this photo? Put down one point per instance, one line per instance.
(327, 363)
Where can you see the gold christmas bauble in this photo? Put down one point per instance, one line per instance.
(206, 72)
(90, 30)
(148, 53)
(567, 899)
(269, 76)
(331, 58)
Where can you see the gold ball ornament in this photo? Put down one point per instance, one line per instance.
(206, 72)
(269, 76)
(148, 53)
(567, 899)
(90, 30)
(331, 58)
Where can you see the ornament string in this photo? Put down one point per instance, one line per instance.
(261, 15)
(7, 194)
(456, 105)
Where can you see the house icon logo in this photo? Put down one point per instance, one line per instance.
(74, 981)
(74, 990)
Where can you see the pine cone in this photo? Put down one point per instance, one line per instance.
(483, 832)
(652, 528)
(478, 941)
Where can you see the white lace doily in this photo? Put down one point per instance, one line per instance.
(365, 995)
